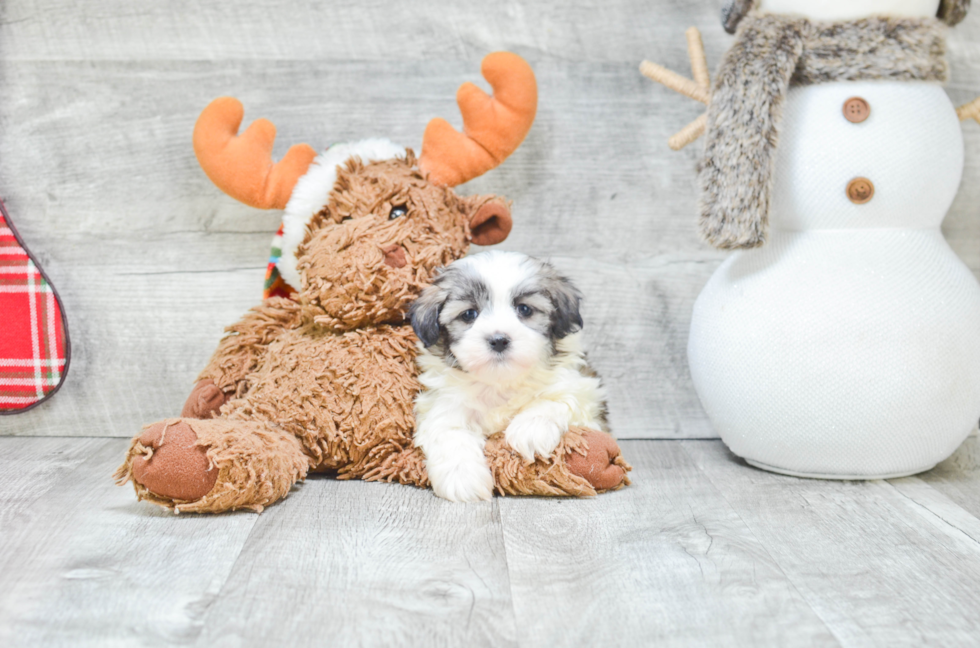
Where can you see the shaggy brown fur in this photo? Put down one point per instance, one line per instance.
(770, 54)
(256, 464)
(328, 382)
(513, 476)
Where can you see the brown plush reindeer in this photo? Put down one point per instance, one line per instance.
(324, 378)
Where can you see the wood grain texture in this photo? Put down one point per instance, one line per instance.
(378, 30)
(665, 562)
(701, 550)
(29, 468)
(97, 103)
(368, 564)
(89, 566)
(881, 563)
(958, 478)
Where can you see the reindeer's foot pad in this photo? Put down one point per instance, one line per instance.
(168, 462)
(599, 461)
(204, 401)
(548, 477)
(585, 463)
(212, 465)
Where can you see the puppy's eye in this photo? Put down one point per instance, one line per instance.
(469, 316)
(397, 211)
(346, 218)
(524, 310)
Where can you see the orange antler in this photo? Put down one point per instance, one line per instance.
(241, 165)
(493, 126)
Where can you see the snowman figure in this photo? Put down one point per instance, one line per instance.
(841, 338)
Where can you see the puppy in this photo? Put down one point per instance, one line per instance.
(500, 350)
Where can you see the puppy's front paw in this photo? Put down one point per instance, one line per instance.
(463, 481)
(532, 433)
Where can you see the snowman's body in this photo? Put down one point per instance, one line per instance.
(849, 344)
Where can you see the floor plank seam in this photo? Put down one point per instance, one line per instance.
(510, 581)
(764, 547)
(932, 513)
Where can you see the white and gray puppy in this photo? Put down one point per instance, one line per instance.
(500, 351)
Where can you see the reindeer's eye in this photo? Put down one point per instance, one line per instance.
(396, 211)
(524, 310)
(469, 316)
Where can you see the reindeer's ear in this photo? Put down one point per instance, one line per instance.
(953, 12)
(566, 300)
(491, 222)
(733, 12)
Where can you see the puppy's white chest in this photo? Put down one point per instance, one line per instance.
(495, 407)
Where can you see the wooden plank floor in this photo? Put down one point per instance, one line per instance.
(701, 551)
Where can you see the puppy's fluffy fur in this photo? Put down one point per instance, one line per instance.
(500, 350)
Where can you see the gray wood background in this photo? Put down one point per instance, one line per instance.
(97, 103)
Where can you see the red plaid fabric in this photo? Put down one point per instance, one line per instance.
(33, 335)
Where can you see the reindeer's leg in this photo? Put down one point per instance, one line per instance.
(336, 402)
(213, 465)
(239, 354)
(597, 459)
(401, 464)
(586, 462)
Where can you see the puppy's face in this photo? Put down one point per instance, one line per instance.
(496, 315)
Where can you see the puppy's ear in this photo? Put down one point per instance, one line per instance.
(566, 299)
(490, 222)
(424, 314)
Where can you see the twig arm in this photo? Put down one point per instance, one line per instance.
(675, 81)
(689, 133)
(970, 110)
(699, 63)
(699, 89)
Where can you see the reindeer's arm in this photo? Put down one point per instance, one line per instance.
(240, 354)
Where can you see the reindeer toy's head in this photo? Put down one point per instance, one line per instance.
(366, 224)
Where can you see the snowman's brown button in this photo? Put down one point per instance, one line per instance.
(856, 110)
(860, 190)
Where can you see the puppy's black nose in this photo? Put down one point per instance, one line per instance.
(499, 343)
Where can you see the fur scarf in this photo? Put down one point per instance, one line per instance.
(771, 54)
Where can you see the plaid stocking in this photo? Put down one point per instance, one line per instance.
(34, 345)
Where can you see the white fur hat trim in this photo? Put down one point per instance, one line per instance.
(312, 193)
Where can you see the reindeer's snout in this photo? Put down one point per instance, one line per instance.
(395, 256)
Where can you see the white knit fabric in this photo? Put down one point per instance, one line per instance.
(910, 147)
(849, 345)
(851, 9)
